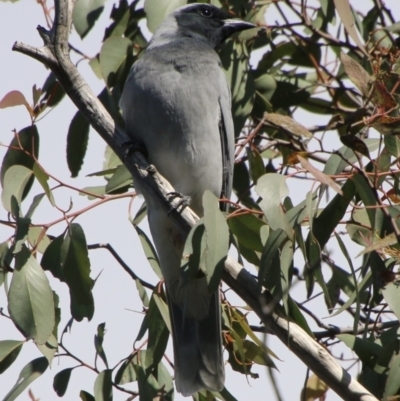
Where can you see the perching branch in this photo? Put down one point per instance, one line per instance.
(55, 55)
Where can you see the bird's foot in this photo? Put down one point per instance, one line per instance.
(183, 202)
(134, 146)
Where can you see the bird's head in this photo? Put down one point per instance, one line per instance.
(204, 22)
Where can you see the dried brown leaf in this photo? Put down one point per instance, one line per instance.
(319, 175)
(288, 124)
(356, 73)
(15, 98)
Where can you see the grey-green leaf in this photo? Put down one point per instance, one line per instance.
(157, 10)
(272, 188)
(77, 141)
(16, 180)
(391, 293)
(149, 251)
(20, 151)
(112, 54)
(9, 350)
(76, 269)
(31, 303)
(85, 14)
(98, 342)
(29, 373)
(61, 380)
(103, 386)
(217, 240)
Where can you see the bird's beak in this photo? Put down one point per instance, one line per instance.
(238, 25)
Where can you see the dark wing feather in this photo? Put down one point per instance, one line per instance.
(227, 137)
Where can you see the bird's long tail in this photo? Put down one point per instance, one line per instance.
(198, 349)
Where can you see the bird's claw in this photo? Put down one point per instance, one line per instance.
(134, 146)
(183, 202)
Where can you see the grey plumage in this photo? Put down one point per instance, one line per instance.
(177, 102)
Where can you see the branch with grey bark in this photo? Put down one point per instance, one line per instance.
(55, 55)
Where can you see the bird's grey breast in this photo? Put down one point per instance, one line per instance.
(174, 95)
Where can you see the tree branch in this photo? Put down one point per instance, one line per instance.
(55, 55)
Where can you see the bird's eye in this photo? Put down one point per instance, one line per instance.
(206, 12)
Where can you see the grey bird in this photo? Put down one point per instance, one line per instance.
(177, 102)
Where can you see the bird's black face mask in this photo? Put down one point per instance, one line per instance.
(212, 23)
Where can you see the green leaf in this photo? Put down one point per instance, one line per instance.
(157, 10)
(61, 380)
(31, 304)
(392, 143)
(112, 54)
(392, 383)
(43, 177)
(246, 228)
(49, 348)
(126, 373)
(35, 234)
(9, 350)
(272, 188)
(21, 233)
(366, 194)
(21, 149)
(235, 61)
(76, 269)
(241, 185)
(391, 293)
(286, 262)
(194, 252)
(158, 336)
(225, 395)
(103, 386)
(366, 350)
(52, 260)
(217, 240)
(270, 269)
(85, 14)
(298, 317)
(67, 259)
(257, 354)
(336, 164)
(52, 93)
(357, 74)
(29, 373)
(35, 203)
(149, 251)
(119, 181)
(6, 257)
(256, 163)
(77, 141)
(140, 215)
(142, 293)
(319, 175)
(16, 179)
(98, 342)
(241, 319)
(326, 222)
(163, 308)
(85, 396)
(366, 281)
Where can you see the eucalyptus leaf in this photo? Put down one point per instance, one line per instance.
(30, 372)
(31, 304)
